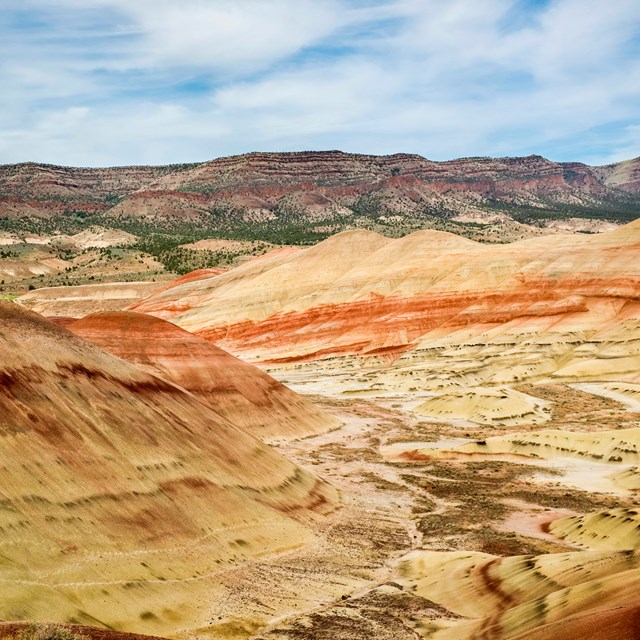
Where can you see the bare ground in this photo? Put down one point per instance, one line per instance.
(342, 585)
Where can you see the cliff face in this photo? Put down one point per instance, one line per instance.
(318, 185)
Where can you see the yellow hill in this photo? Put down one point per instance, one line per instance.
(122, 496)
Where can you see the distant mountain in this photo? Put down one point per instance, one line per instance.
(303, 197)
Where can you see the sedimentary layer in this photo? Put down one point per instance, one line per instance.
(242, 393)
(567, 307)
(122, 496)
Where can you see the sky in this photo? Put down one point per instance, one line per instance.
(119, 82)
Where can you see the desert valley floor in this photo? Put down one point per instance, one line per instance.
(423, 437)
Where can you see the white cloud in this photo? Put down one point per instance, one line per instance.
(230, 35)
(219, 35)
(438, 77)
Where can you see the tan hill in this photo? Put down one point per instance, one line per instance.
(237, 246)
(562, 596)
(361, 293)
(28, 262)
(84, 299)
(628, 478)
(622, 175)
(246, 396)
(94, 237)
(94, 255)
(123, 496)
(98, 237)
(612, 529)
(620, 446)
(498, 406)
(81, 300)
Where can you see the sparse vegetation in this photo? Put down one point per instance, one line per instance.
(41, 631)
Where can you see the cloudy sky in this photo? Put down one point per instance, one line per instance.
(104, 82)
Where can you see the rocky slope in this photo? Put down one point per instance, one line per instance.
(122, 496)
(305, 195)
(243, 394)
(44, 190)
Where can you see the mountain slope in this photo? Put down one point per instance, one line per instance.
(246, 396)
(289, 197)
(121, 494)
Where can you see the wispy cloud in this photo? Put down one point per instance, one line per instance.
(151, 81)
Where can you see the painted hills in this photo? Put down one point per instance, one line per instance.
(123, 497)
(479, 408)
(561, 306)
(246, 396)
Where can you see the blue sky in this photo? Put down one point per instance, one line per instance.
(112, 82)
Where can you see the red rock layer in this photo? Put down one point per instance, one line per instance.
(258, 181)
(239, 391)
(363, 294)
(192, 276)
(62, 321)
(621, 623)
(360, 327)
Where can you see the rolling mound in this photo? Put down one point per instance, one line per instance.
(628, 478)
(265, 285)
(122, 497)
(612, 529)
(487, 406)
(81, 300)
(526, 597)
(625, 393)
(243, 394)
(621, 446)
(97, 237)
